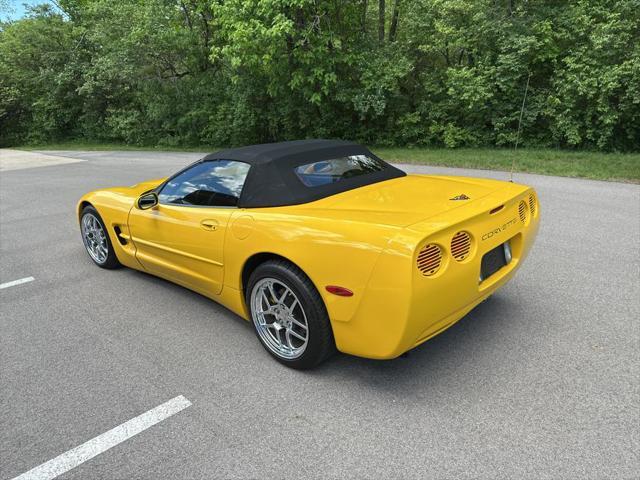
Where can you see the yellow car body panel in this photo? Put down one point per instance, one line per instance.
(366, 240)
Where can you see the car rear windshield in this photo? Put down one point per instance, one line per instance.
(333, 170)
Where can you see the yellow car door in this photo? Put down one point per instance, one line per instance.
(181, 237)
(182, 244)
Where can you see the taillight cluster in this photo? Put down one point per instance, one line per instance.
(431, 258)
(527, 209)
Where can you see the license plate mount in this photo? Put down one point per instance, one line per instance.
(494, 260)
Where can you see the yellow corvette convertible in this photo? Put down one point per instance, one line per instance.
(319, 243)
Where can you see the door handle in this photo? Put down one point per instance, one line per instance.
(209, 224)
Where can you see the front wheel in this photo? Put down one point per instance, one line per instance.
(288, 315)
(96, 239)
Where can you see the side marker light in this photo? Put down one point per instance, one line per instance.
(340, 291)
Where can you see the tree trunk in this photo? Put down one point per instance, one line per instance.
(393, 29)
(365, 5)
(381, 21)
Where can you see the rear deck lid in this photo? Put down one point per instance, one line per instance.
(406, 200)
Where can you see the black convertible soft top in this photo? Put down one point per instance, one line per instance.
(272, 182)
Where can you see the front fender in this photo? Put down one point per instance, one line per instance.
(114, 205)
(114, 208)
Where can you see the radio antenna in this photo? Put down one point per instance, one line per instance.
(524, 99)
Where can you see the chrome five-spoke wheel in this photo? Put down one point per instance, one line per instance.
(95, 238)
(279, 318)
(288, 314)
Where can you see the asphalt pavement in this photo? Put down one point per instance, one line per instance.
(541, 381)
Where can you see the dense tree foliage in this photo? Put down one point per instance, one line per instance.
(400, 72)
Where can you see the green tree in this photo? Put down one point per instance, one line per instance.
(419, 72)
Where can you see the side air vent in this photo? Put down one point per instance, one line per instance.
(522, 211)
(119, 235)
(460, 246)
(532, 205)
(430, 259)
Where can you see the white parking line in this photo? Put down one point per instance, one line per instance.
(16, 282)
(80, 454)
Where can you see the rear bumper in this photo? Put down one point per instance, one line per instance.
(403, 308)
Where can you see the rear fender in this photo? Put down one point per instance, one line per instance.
(328, 252)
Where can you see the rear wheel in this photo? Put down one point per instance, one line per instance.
(288, 315)
(96, 239)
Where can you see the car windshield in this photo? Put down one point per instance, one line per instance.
(336, 169)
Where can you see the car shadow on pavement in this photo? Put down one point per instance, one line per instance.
(479, 335)
(197, 299)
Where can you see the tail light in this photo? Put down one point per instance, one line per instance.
(522, 211)
(532, 205)
(430, 259)
(460, 246)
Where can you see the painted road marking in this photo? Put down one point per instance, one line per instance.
(100, 444)
(16, 282)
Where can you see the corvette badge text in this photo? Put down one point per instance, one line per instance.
(496, 231)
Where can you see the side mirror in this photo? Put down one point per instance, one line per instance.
(147, 201)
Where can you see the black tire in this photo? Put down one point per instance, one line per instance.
(320, 343)
(111, 261)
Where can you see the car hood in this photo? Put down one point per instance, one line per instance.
(140, 188)
(406, 200)
(134, 191)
